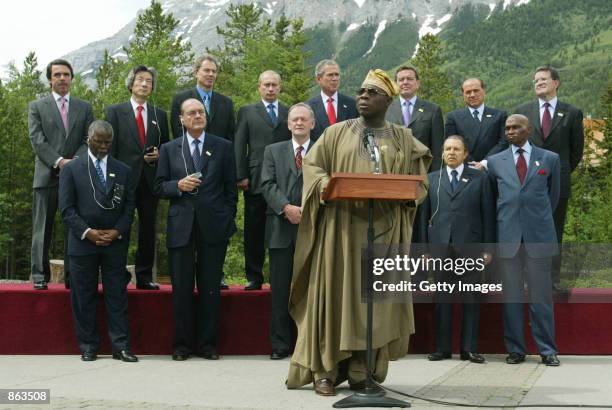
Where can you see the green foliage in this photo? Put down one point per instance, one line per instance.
(435, 85)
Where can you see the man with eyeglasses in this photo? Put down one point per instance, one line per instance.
(140, 129)
(197, 173)
(557, 127)
(325, 299)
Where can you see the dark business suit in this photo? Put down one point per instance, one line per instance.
(483, 138)
(199, 223)
(566, 139)
(463, 216)
(426, 124)
(254, 132)
(127, 148)
(82, 197)
(50, 141)
(526, 242)
(219, 121)
(281, 184)
(347, 109)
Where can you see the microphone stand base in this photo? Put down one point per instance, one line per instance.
(369, 397)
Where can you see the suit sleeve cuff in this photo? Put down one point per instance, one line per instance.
(57, 161)
(85, 233)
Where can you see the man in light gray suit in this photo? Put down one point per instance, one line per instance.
(526, 182)
(424, 118)
(281, 184)
(57, 127)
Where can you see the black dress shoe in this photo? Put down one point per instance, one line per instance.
(180, 357)
(210, 355)
(253, 285)
(550, 360)
(88, 356)
(147, 286)
(436, 356)
(125, 356)
(279, 354)
(515, 358)
(40, 285)
(223, 285)
(472, 357)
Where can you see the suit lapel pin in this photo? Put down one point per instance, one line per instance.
(464, 180)
(344, 106)
(537, 163)
(153, 122)
(421, 110)
(488, 115)
(208, 153)
(111, 175)
(560, 114)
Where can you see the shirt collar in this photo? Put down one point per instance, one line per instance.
(190, 139)
(334, 97)
(305, 145)
(135, 105)
(479, 108)
(411, 100)
(526, 147)
(459, 170)
(203, 92)
(265, 103)
(553, 102)
(56, 97)
(94, 158)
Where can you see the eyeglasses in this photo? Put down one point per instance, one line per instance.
(370, 91)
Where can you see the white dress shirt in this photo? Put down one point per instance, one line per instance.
(144, 112)
(551, 109)
(459, 170)
(526, 154)
(334, 98)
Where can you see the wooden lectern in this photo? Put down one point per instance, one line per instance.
(371, 187)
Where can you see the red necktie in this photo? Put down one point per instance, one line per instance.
(331, 113)
(298, 157)
(521, 165)
(140, 125)
(545, 121)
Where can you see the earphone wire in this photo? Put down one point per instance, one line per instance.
(93, 189)
(438, 190)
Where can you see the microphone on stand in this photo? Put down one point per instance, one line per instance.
(371, 148)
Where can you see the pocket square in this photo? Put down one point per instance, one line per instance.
(541, 172)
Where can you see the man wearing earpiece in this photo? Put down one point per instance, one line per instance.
(198, 174)
(456, 218)
(140, 129)
(96, 199)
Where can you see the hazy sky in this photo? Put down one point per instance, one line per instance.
(36, 25)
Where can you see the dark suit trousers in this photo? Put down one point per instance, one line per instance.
(44, 208)
(206, 260)
(470, 323)
(559, 218)
(84, 297)
(254, 236)
(541, 312)
(146, 205)
(281, 272)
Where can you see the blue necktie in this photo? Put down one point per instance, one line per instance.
(475, 113)
(454, 180)
(271, 113)
(207, 103)
(197, 158)
(100, 174)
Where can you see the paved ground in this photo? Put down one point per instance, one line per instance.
(255, 382)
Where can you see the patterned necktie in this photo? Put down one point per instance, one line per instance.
(100, 174)
(406, 110)
(298, 157)
(331, 113)
(475, 113)
(546, 120)
(272, 114)
(521, 165)
(140, 125)
(454, 180)
(64, 112)
(196, 156)
(207, 103)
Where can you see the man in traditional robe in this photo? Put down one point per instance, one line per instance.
(325, 299)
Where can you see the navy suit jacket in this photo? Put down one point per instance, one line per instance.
(220, 121)
(213, 207)
(347, 109)
(127, 146)
(482, 139)
(466, 215)
(525, 211)
(79, 183)
(565, 137)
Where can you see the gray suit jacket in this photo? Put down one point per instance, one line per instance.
(426, 124)
(254, 132)
(49, 138)
(565, 137)
(281, 184)
(525, 212)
